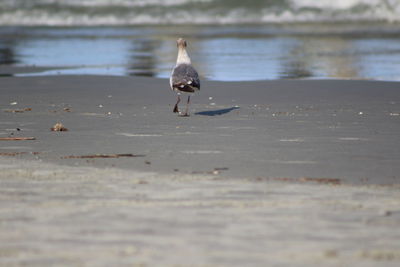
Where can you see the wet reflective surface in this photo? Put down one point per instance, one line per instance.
(228, 53)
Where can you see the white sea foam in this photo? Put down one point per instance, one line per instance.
(136, 12)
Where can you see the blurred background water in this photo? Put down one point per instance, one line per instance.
(228, 40)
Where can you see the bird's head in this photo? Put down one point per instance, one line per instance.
(181, 43)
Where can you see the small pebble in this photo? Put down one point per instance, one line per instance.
(58, 127)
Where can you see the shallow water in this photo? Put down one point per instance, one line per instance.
(219, 52)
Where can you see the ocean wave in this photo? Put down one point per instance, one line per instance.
(159, 12)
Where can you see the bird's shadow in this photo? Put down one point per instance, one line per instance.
(216, 112)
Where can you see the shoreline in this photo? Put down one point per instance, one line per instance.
(298, 52)
(51, 71)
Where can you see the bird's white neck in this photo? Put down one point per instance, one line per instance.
(183, 57)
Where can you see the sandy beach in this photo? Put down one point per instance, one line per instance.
(283, 173)
(290, 156)
(54, 215)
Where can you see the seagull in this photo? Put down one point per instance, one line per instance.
(184, 78)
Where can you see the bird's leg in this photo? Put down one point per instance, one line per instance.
(176, 110)
(187, 106)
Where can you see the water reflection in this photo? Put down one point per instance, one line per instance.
(233, 59)
(152, 52)
(142, 60)
(296, 64)
(321, 57)
(7, 53)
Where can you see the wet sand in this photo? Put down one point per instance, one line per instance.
(289, 173)
(345, 130)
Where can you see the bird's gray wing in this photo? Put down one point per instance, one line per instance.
(185, 78)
